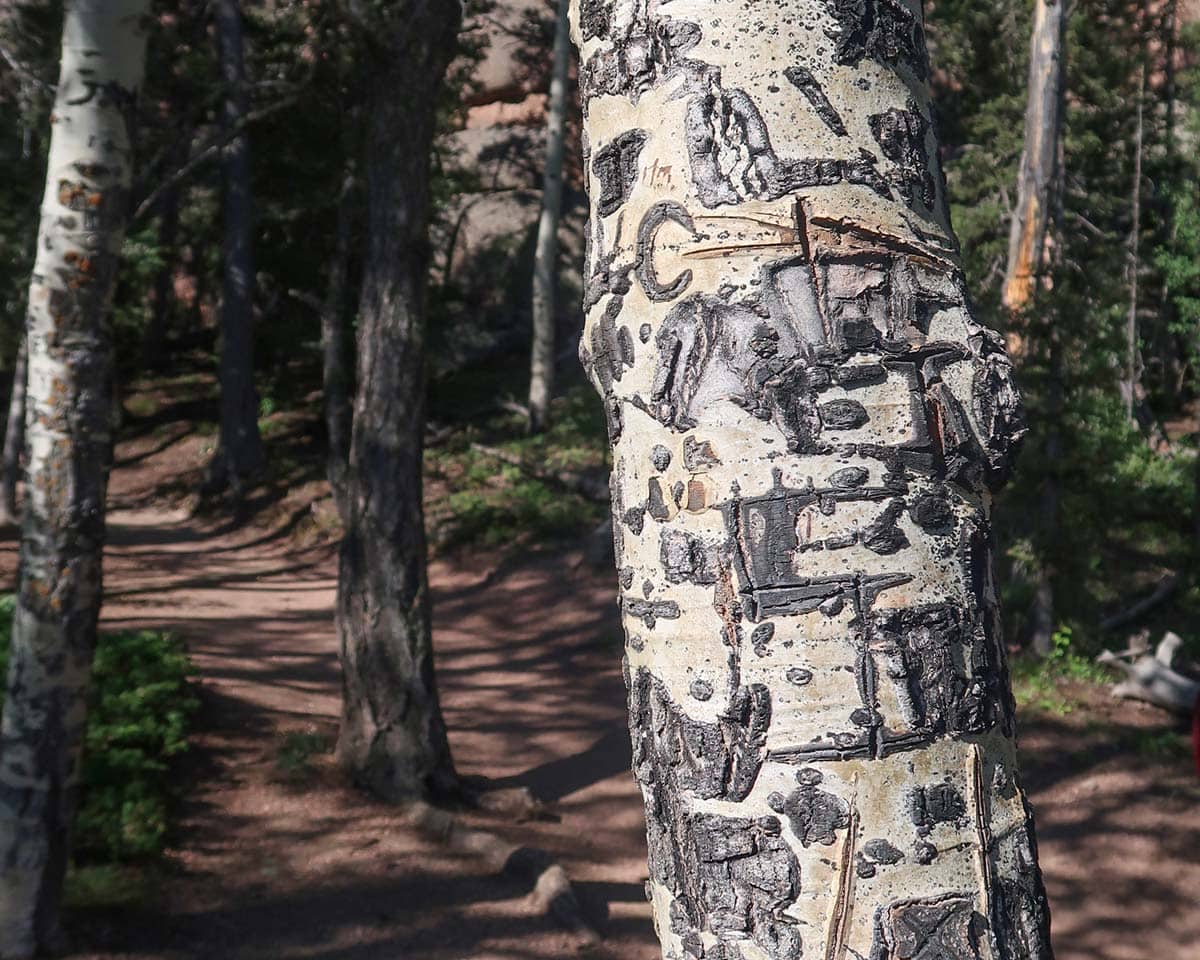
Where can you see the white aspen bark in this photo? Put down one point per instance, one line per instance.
(84, 212)
(1043, 123)
(545, 263)
(807, 426)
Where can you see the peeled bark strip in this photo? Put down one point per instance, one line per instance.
(70, 367)
(545, 263)
(392, 736)
(1043, 122)
(807, 425)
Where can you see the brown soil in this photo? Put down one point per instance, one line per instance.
(284, 862)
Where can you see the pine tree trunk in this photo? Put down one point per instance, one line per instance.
(154, 339)
(807, 425)
(239, 452)
(335, 366)
(545, 263)
(14, 438)
(392, 734)
(70, 367)
(1043, 123)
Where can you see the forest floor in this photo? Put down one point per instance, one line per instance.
(277, 857)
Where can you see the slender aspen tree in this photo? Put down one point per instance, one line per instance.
(1039, 157)
(1038, 180)
(392, 736)
(545, 263)
(807, 427)
(70, 370)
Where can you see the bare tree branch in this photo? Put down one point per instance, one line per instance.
(206, 153)
(27, 72)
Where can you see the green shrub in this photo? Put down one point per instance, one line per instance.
(1038, 681)
(138, 718)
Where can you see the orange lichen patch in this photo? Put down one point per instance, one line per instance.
(1016, 345)
(70, 193)
(85, 268)
(58, 390)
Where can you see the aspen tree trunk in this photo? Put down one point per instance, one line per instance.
(807, 425)
(545, 264)
(84, 213)
(14, 438)
(393, 737)
(1043, 124)
(239, 449)
(1039, 174)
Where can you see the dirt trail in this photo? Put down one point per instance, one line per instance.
(272, 866)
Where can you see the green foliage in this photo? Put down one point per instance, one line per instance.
(1067, 664)
(1095, 506)
(142, 259)
(29, 32)
(1179, 261)
(1162, 745)
(138, 716)
(493, 502)
(1045, 683)
(108, 886)
(294, 760)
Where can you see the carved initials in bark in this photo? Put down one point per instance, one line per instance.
(806, 421)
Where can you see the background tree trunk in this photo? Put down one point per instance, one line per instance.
(14, 438)
(158, 328)
(1043, 125)
(545, 263)
(1038, 181)
(392, 734)
(807, 425)
(336, 377)
(70, 364)
(239, 450)
(1131, 385)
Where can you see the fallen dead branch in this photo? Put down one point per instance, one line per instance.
(1154, 678)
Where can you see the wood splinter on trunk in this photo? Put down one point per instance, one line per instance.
(807, 426)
